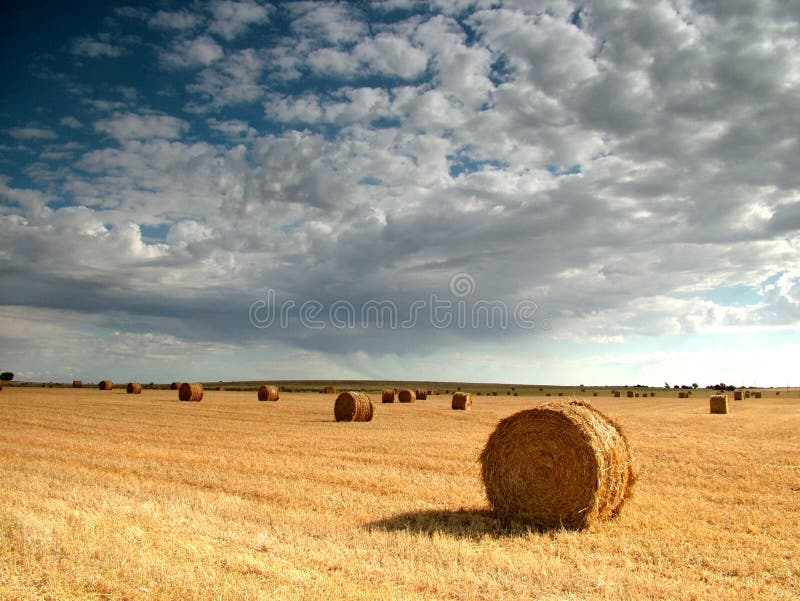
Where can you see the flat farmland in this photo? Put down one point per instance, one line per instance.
(113, 496)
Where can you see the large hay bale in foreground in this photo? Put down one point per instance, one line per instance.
(175, 386)
(737, 395)
(353, 407)
(77, 384)
(461, 401)
(268, 393)
(106, 385)
(190, 392)
(406, 396)
(719, 403)
(387, 396)
(560, 464)
(133, 388)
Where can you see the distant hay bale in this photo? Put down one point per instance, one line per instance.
(219, 388)
(777, 393)
(494, 393)
(516, 394)
(106, 385)
(461, 401)
(190, 392)
(546, 394)
(175, 386)
(617, 393)
(629, 394)
(757, 395)
(562, 464)
(387, 396)
(479, 393)
(747, 394)
(683, 395)
(594, 394)
(737, 395)
(329, 390)
(353, 407)
(406, 396)
(421, 394)
(636, 395)
(268, 393)
(133, 388)
(652, 394)
(719, 403)
(77, 384)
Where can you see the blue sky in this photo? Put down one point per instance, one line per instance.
(602, 194)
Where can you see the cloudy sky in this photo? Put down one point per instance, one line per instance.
(250, 189)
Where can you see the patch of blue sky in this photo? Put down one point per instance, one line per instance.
(726, 296)
(292, 227)
(461, 164)
(560, 170)
(154, 233)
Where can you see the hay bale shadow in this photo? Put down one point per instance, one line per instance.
(461, 523)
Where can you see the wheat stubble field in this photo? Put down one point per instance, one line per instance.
(113, 496)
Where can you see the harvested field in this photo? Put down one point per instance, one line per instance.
(108, 495)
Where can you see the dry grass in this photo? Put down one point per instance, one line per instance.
(109, 496)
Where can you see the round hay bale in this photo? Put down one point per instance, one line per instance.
(629, 394)
(547, 394)
(353, 407)
(558, 465)
(133, 388)
(494, 393)
(516, 394)
(406, 396)
(1, 387)
(421, 394)
(617, 394)
(777, 393)
(175, 386)
(77, 384)
(594, 394)
(190, 392)
(480, 393)
(718, 403)
(636, 395)
(747, 394)
(387, 396)
(329, 390)
(683, 395)
(461, 401)
(737, 395)
(652, 394)
(560, 394)
(757, 395)
(106, 385)
(268, 393)
(219, 388)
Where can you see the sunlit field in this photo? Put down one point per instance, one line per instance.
(113, 496)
